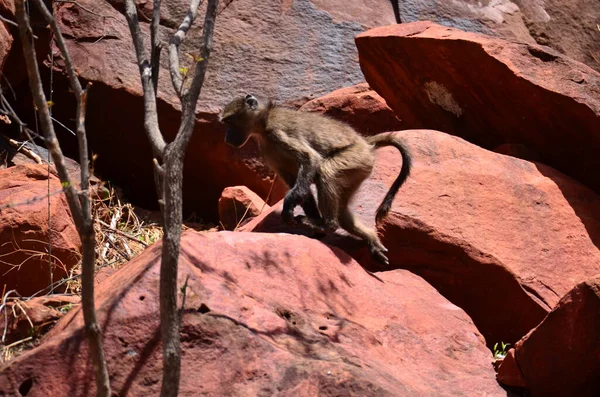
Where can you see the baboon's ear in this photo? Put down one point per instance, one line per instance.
(251, 102)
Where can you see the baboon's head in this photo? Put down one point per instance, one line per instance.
(240, 116)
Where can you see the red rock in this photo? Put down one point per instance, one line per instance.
(32, 317)
(9, 156)
(566, 26)
(561, 356)
(238, 205)
(268, 315)
(278, 49)
(518, 151)
(518, 93)
(8, 7)
(6, 41)
(24, 233)
(509, 372)
(500, 237)
(359, 106)
(103, 274)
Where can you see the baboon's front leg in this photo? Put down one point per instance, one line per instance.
(309, 205)
(300, 194)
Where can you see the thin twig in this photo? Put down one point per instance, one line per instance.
(19, 342)
(78, 204)
(184, 292)
(26, 151)
(155, 46)
(176, 39)
(225, 7)
(113, 223)
(8, 21)
(63, 126)
(150, 110)
(121, 233)
(17, 304)
(124, 255)
(33, 200)
(2, 306)
(190, 98)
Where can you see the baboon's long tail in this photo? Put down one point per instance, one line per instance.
(389, 139)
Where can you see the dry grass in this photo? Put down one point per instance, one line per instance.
(122, 232)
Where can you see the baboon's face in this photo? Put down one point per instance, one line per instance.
(238, 116)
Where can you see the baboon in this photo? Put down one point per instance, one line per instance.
(303, 148)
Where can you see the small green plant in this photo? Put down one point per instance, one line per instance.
(500, 350)
(66, 308)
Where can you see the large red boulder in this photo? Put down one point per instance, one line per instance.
(358, 105)
(26, 212)
(500, 237)
(566, 26)
(561, 356)
(281, 50)
(267, 315)
(489, 91)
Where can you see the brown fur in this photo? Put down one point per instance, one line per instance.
(303, 148)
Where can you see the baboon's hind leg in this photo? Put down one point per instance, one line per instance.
(328, 201)
(349, 223)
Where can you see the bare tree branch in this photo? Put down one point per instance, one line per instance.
(151, 115)
(8, 21)
(176, 39)
(42, 106)
(173, 203)
(168, 175)
(20, 147)
(191, 96)
(80, 208)
(155, 45)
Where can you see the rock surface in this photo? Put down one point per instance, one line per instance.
(561, 356)
(510, 374)
(24, 233)
(268, 315)
(566, 26)
(518, 93)
(238, 205)
(35, 316)
(502, 238)
(286, 50)
(6, 41)
(358, 105)
(10, 156)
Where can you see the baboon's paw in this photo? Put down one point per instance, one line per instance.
(381, 248)
(378, 254)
